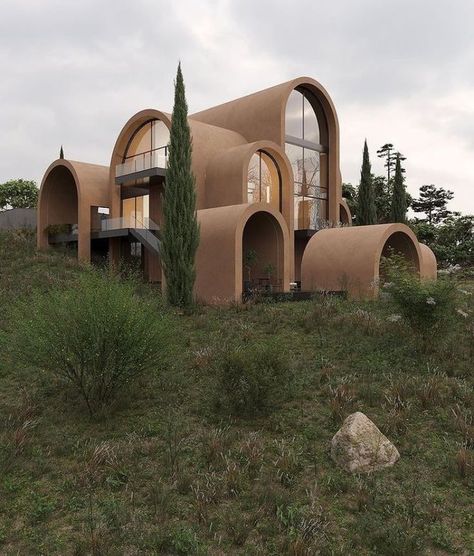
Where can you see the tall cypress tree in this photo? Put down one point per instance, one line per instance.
(180, 238)
(366, 212)
(399, 200)
(61, 153)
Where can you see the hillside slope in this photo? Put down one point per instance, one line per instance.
(170, 469)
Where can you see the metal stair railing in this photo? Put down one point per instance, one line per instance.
(147, 234)
(145, 230)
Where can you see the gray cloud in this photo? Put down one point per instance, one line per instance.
(74, 72)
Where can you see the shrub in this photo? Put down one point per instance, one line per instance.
(253, 379)
(427, 306)
(97, 335)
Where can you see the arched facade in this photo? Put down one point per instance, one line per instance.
(348, 259)
(69, 190)
(267, 180)
(227, 235)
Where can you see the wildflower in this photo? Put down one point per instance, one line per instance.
(388, 285)
(465, 292)
(462, 313)
(430, 301)
(394, 318)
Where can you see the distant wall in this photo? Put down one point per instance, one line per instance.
(15, 219)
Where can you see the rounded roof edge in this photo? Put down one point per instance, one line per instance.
(286, 87)
(91, 177)
(136, 120)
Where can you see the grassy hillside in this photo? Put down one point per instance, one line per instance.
(181, 465)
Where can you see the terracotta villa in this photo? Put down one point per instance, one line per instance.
(269, 200)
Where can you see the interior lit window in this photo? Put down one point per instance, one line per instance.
(263, 180)
(136, 211)
(307, 149)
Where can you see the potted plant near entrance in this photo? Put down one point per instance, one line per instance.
(250, 259)
(269, 271)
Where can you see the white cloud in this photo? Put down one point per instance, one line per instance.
(74, 72)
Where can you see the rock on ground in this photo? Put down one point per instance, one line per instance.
(359, 446)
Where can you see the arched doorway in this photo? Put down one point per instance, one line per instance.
(262, 254)
(59, 209)
(401, 245)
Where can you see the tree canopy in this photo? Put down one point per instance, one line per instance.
(433, 203)
(18, 193)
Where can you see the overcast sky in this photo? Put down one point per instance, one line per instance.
(74, 71)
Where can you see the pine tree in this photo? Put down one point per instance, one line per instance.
(399, 200)
(433, 202)
(61, 153)
(180, 237)
(366, 213)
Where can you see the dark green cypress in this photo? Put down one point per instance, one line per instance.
(180, 238)
(366, 212)
(61, 153)
(399, 200)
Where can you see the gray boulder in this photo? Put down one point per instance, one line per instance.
(360, 447)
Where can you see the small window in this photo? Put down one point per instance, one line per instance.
(263, 180)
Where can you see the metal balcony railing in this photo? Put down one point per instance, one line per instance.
(157, 158)
(133, 222)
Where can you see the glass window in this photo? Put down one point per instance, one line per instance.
(136, 211)
(141, 141)
(294, 115)
(263, 180)
(161, 134)
(310, 123)
(253, 180)
(151, 137)
(306, 148)
(295, 155)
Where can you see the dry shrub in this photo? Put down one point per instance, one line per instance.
(465, 462)
(464, 422)
(252, 451)
(341, 401)
(430, 392)
(214, 444)
(288, 461)
(17, 429)
(207, 490)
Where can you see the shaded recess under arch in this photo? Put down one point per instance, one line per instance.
(348, 259)
(68, 192)
(226, 234)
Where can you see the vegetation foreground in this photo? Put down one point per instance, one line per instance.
(222, 443)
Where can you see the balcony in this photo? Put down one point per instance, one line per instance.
(143, 165)
(127, 223)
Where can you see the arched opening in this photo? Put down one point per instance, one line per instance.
(59, 208)
(401, 245)
(264, 180)
(307, 147)
(262, 254)
(344, 217)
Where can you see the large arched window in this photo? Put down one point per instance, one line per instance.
(147, 148)
(263, 180)
(306, 145)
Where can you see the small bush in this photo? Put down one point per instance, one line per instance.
(427, 306)
(253, 380)
(97, 335)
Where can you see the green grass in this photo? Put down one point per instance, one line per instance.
(169, 471)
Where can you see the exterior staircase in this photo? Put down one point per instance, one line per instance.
(148, 238)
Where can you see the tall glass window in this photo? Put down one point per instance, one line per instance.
(307, 150)
(263, 180)
(136, 211)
